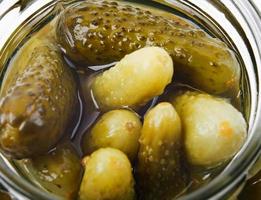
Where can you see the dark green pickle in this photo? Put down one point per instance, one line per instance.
(37, 102)
(58, 172)
(99, 32)
(160, 174)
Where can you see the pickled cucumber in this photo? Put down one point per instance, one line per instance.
(119, 129)
(37, 102)
(98, 32)
(213, 129)
(159, 170)
(136, 79)
(58, 172)
(107, 176)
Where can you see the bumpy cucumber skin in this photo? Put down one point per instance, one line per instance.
(36, 105)
(59, 171)
(159, 169)
(97, 32)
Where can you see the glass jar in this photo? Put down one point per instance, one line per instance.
(237, 23)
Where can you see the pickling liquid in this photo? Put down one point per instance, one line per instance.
(88, 112)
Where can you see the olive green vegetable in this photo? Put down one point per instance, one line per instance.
(107, 176)
(37, 100)
(213, 129)
(98, 32)
(58, 172)
(159, 170)
(136, 79)
(119, 129)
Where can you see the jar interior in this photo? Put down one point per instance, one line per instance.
(245, 97)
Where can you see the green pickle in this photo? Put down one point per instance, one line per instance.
(99, 32)
(107, 176)
(159, 169)
(214, 130)
(58, 172)
(135, 80)
(112, 100)
(37, 99)
(118, 129)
